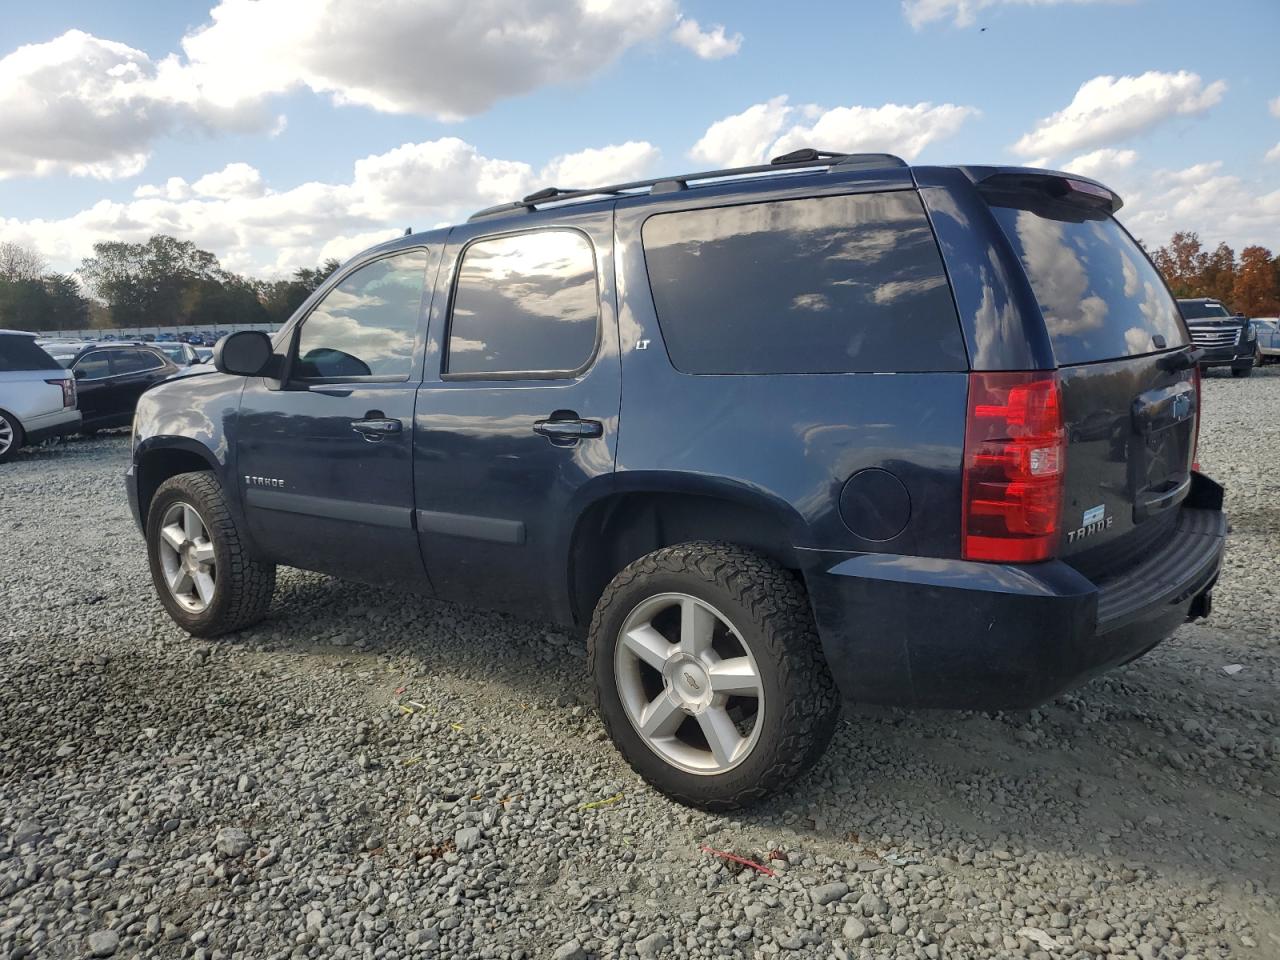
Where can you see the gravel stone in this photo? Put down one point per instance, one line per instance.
(104, 943)
(828, 893)
(212, 803)
(570, 951)
(853, 929)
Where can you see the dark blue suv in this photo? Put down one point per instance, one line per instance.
(829, 427)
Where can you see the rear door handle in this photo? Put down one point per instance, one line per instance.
(376, 428)
(569, 429)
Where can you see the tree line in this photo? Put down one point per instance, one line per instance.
(162, 282)
(1249, 284)
(171, 282)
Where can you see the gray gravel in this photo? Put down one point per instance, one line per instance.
(372, 775)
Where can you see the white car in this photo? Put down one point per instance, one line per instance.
(37, 396)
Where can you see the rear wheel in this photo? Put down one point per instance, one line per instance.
(202, 570)
(10, 435)
(709, 674)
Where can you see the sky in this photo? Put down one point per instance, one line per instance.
(276, 133)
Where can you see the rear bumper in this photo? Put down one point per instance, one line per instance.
(57, 424)
(912, 631)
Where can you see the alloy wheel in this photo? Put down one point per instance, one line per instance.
(689, 683)
(187, 557)
(6, 435)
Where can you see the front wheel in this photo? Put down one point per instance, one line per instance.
(1243, 370)
(709, 674)
(203, 571)
(10, 436)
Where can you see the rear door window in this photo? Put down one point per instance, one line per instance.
(134, 361)
(841, 284)
(525, 305)
(1100, 296)
(22, 353)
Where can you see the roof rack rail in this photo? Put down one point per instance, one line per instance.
(805, 157)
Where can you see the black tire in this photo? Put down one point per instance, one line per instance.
(768, 607)
(88, 432)
(9, 426)
(1243, 370)
(243, 583)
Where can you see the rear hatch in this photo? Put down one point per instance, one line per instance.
(1129, 389)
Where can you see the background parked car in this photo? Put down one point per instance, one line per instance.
(183, 354)
(37, 396)
(1228, 339)
(110, 377)
(1267, 330)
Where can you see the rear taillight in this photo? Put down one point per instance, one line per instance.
(1195, 444)
(1014, 458)
(68, 390)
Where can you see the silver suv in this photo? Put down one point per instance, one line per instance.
(37, 396)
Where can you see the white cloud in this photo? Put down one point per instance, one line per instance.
(1100, 163)
(449, 59)
(1274, 107)
(963, 12)
(233, 180)
(253, 228)
(1274, 153)
(743, 139)
(757, 133)
(600, 166)
(713, 44)
(88, 106)
(91, 108)
(1217, 205)
(1106, 109)
(892, 128)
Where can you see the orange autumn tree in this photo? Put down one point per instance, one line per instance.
(1255, 293)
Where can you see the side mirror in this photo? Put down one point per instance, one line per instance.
(245, 353)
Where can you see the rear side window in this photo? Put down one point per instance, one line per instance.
(21, 353)
(524, 305)
(133, 361)
(841, 284)
(1100, 296)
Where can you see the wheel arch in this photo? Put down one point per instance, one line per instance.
(159, 458)
(647, 514)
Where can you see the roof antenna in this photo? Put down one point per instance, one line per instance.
(408, 230)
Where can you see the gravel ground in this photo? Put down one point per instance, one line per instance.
(370, 775)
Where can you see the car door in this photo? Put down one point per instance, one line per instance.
(133, 371)
(92, 371)
(324, 454)
(516, 422)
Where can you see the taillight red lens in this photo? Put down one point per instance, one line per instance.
(1195, 444)
(68, 390)
(1014, 460)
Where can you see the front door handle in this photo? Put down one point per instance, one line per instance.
(376, 428)
(569, 430)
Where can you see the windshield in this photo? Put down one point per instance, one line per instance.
(1100, 295)
(1202, 309)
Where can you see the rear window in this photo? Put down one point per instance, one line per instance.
(1100, 295)
(21, 353)
(841, 284)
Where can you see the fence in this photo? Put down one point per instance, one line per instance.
(136, 333)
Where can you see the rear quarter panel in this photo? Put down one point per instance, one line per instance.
(787, 442)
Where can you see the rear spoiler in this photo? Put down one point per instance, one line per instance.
(1064, 196)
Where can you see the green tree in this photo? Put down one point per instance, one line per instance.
(147, 283)
(281, 298)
